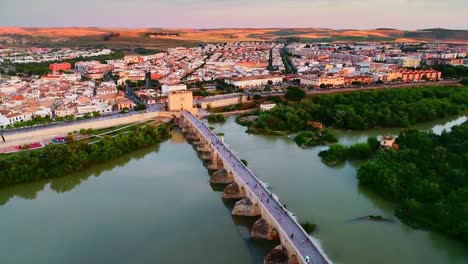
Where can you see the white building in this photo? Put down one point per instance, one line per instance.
(267, 106)
(165, 89)
(95, 107)
(4, 121)
(253, 81)
(43, 112)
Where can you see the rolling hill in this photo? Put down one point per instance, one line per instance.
(158, 38)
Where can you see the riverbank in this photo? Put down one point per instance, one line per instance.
(362, 110)
(331, 196)
(46, 134)
(427, 177)
(59, 160)
(127, 205)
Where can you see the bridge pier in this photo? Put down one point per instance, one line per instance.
(221, 177)
(250, 198)
(205, 156)
(264, 230)
(245, 207)
(192, 136)
(203, 148)
(213, 167)
(233, 191)
(280, 255)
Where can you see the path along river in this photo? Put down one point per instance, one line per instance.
(156, 206)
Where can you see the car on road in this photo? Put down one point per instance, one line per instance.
(58, 140)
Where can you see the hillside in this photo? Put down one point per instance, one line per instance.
(164, 38)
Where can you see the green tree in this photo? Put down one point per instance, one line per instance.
(295, 94)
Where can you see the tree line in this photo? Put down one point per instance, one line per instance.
(59, 160)
(216, 118)
(362, 110)
(427, 178)
(338, 153)
(42, 68)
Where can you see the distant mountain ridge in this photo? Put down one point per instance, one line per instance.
(159, 37)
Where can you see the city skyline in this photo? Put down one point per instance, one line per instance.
(356, 14)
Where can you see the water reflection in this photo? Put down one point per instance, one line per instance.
(329, 196)
(65, 184)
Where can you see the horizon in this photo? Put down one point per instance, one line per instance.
(217, 28)
(210, 14)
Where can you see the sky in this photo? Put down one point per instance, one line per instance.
(336, 14)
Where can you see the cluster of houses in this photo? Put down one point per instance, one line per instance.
(22, 100)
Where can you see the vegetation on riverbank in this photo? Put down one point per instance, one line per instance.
(295, 94)
(315, 138)
(246, 119)
(364, 109)
(427, 177)
(59, 160)
(42, 68)
(339, 153)
(216, 118)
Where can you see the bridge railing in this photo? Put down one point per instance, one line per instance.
(195, 120)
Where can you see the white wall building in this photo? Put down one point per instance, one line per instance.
(165, 89)
(253, 81)
(95, 107)
(4, 121)
(267, 106)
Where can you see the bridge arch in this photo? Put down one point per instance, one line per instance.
(274, 233)
(220, 163)
(293, 259)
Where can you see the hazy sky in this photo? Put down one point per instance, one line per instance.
(360, 14)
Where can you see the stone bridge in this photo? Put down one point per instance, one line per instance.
(255, 200)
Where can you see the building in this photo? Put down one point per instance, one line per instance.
(93, 69)
(94, 107)
(166, 89)
(65, 110)
(147, 99)
(220, 100)
(133, 59)
(267, 106)
(357, 79)
(420, 75)
(133, 75)
(405, 62)
(325, 80)
(4, 121)
(254, 81)
(387, 141)
(124, 103)
(55, 67)
(180, 100)
(440, 61)
(392, 76)
(107, 88)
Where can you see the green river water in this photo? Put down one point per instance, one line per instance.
(156, 206)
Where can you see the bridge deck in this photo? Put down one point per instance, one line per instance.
(284, 221)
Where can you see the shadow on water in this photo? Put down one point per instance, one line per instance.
(67, 183)
(255, 246)
(218, 187)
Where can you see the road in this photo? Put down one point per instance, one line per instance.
(110, 116)
(364, 88)
(284, 219)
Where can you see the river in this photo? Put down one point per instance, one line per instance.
(156, 206)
